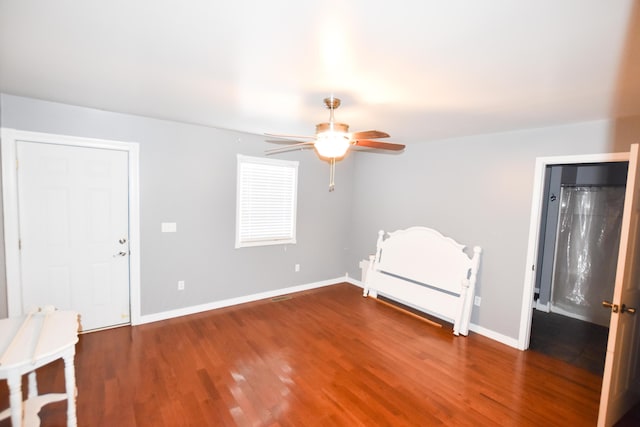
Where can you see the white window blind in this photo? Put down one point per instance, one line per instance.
(266, 201)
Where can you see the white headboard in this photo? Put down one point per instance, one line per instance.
(420, 267)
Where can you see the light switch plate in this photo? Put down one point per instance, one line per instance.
(169, 227)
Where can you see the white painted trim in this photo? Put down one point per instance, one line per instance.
(10, 212)
(185, 311)
(511, 342)
(8, 139)
(567, 313)
(244, 162)
(165, 315)
(524, 334)
(546, 308)
(134, 233)
(355, 282)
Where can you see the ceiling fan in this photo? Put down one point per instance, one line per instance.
(332, 140)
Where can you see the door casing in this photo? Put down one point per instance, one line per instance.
(524, 334)
(8, 138)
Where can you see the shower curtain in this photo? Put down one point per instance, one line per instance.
(587, 251)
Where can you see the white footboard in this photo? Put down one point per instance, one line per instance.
(423, 269)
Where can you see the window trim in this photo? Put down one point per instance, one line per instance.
(291, 239)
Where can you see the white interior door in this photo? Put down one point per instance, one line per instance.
(74, 230)
(621, 381)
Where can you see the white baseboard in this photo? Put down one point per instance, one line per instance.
(591, 319)
(156, 317)
(511, 342)
(543, 307)
(353, 281)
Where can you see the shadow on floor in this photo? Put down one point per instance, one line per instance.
(579, 343)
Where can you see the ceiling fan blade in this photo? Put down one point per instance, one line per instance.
(284, 136)
(369, 134)
(298, 146)
(286, 141)
(379, 145)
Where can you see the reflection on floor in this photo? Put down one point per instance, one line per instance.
(579, 343)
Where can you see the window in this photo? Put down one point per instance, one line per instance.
(266, 201)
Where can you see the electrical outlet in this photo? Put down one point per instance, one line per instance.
(296, 268)
(181, 285)
(477, 300)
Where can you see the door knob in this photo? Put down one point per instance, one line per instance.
(122, 241)
(612, 306)
(625, 309)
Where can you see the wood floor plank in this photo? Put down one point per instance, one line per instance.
(326, 357)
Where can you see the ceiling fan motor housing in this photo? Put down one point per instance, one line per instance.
(336, 127)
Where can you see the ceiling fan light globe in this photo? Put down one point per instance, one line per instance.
(332, 144)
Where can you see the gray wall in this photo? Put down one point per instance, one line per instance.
(477, 190)
(188, 176)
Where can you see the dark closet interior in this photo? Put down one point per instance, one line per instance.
(579, 239)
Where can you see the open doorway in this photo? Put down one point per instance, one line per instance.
(579, 235)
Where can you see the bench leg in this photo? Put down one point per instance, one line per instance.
(15, 398)
(70, 383)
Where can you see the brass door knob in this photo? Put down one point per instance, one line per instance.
(625, 309)
(612, 306)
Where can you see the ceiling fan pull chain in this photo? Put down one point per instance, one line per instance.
(332, 174)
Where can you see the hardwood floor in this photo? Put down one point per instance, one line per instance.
(327, 357)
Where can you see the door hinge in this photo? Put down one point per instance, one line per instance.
(533, 267)
(19, 244)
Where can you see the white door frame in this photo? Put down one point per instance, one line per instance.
(534, 229)
(8, 139)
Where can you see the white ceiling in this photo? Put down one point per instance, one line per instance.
(420, 69)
